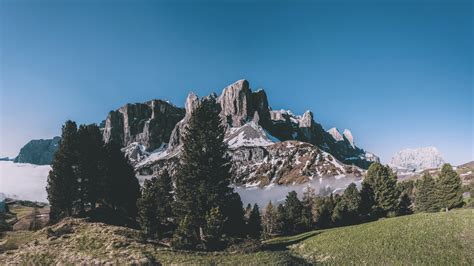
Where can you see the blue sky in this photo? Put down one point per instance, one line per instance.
(397, 73)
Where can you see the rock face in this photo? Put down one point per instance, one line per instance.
(149, 124)
(39, 151)
(284, 163)
(415, 160)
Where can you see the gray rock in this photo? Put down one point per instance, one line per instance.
(40, 151)
(149, 124)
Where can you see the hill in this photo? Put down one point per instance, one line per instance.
(437, 238)
(425, 238)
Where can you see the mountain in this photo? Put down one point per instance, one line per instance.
(40, 151)
(265, 146)
(416, 160)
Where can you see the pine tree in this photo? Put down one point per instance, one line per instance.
(148, 209)
(346, 211)
(404, 206)
(384, 185)
(309, 208)
(281, 219)
(425, 197)
(214, 229)
(367, 202)
(325, 209)
(62, 182)
(121, 188)
(254, 224)
(185, 236)
(88, 172)
(269, 220)
(293, 211)
(203, 177)
(154, 205)
(449, 188)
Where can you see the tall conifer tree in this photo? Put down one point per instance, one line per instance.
(203, 177)
(383, 182)
(121, 188)
(425, 198)
(449, 188)
(62, 182)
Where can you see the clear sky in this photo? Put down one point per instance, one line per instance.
(399, 74)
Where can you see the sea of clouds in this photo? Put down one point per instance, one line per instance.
(24, 181)
(28, 182)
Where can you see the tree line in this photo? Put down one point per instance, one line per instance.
(380, 196)
(90, 178)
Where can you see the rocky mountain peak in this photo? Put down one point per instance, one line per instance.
(335, 134)
(348, 136)
(148, 123)
(306, 120)
(191, 103)
(235, 102)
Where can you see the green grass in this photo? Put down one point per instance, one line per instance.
(12, 240)
(436, 238)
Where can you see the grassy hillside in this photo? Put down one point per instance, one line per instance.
(439, 238)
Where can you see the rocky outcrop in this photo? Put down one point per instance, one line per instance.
(240, 105)
(40, 151)
(149, 124)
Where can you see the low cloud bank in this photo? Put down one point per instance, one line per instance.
(277, 194)
(24, 181)
(28, 182)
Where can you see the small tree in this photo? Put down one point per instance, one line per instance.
(269, 220)
(449, 188)
(367, 202)
(347, 209)
(281, 219)
(324, 211)
(309, 208)
(154, 205)
(425, 197)
(214, 229)
(185, 236)
(293, 211)
(404, 206)
(147, 209)
(254, 224)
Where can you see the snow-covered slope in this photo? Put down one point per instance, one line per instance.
(416, 160)
(248, 135)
